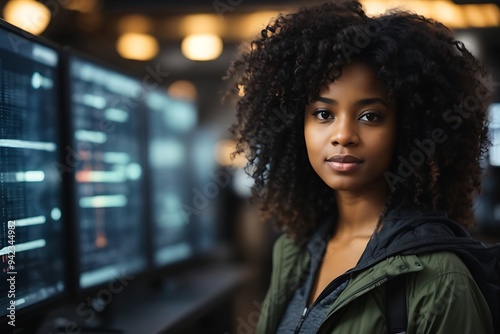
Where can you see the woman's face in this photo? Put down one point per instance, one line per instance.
(350, 131)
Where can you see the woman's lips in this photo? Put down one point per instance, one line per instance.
(344, 163)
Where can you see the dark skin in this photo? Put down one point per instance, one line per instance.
(352, 116)
(349, 241)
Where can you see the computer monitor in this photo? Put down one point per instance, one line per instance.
(170, 125)
(494, 128)
(31, 214)
(104, 105)
(488, 200)
(212, 184)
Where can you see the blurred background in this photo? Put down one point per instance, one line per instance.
(206, 266)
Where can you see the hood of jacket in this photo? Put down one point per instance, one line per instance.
(412, 232)
(421, 232)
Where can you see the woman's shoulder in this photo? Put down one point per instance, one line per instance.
(444, 288)
(442, 263)
(443, 267)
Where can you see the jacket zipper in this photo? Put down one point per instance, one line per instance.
(302, 318)
(330, 287)
(327, 290)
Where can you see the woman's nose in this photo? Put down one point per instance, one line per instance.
(345, 132)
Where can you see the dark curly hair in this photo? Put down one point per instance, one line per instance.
(439, 88)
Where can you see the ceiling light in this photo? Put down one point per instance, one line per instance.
(202, 47)
(374, 7)
(137, 46)
(183, 90)
(486, 15)
(29, 15)
(253, 23)
(449, 14)
(200, 24)
(444, 11)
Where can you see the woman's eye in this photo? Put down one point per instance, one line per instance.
(322, 114)
(371, 117)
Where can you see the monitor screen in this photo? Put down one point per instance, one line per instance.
(31, 248)
(170, 124)
(212, 184)
(494, 128)
(109, 195)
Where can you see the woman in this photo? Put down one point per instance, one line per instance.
(363, 135)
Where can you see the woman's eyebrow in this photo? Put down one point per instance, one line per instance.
(326, 100)
(359, 103)
(371, 100)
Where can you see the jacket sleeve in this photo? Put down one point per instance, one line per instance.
(450, 303)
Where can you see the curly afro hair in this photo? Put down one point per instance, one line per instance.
(439, 88)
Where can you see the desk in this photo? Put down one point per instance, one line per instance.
(179, 304)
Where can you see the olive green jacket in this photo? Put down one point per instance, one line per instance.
(441, 294)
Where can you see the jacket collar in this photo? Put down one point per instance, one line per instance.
(402, 230)
(413, 231)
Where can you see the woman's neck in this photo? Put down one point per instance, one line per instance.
(359, 212)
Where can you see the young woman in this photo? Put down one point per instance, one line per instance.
(364, 135)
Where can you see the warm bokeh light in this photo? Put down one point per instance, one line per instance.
(375, 7)
(202, 47)
(253, 23)
(223, 150)
(200, 24)
(137, 46)
(238, 26)
(486, 15)
(183, 90)
(445, 11)
(423, 8)
(29, 15)
(241, 90)
(135, 23)
(448, 13)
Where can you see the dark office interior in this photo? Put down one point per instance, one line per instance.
(115, 162)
